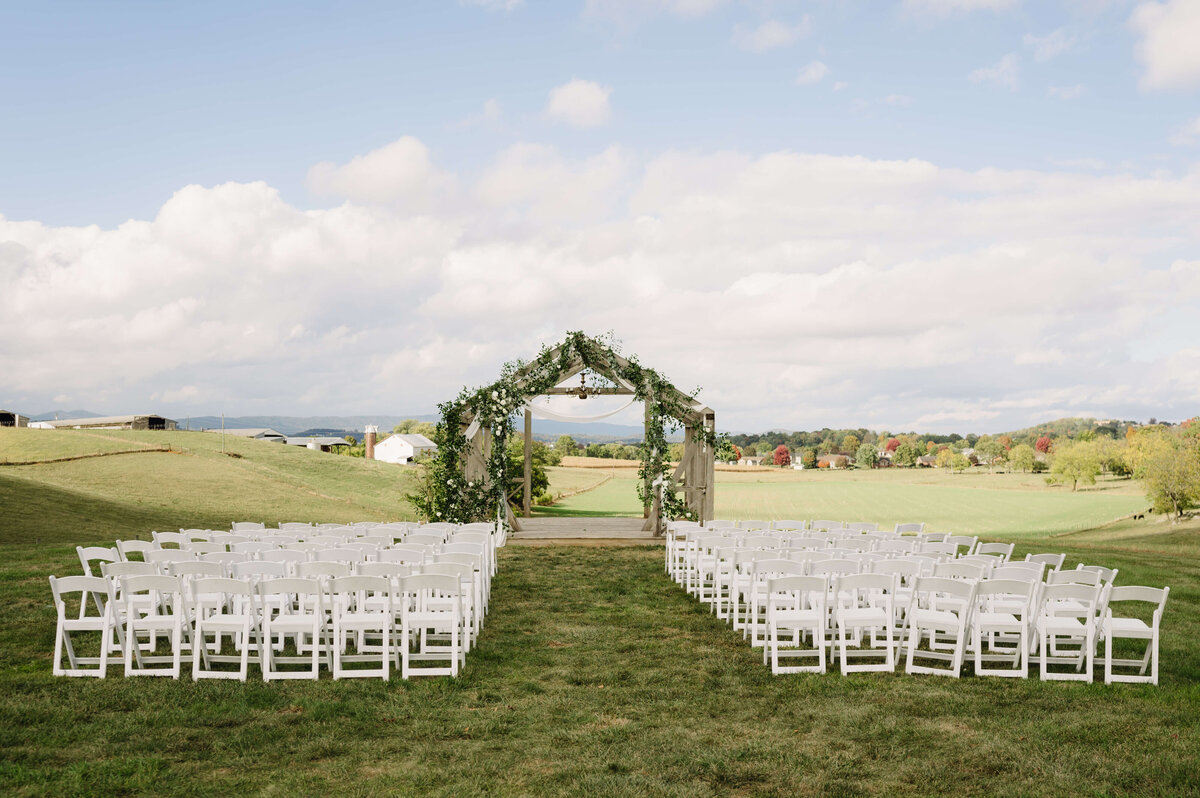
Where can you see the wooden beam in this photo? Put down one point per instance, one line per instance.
(591, 391)
(527, 498)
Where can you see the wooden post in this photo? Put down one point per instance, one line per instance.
(527, 499)
(710, 469)
(646, 482)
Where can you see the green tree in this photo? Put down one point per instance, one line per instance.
(725, 451)
(414, 427)
(990, 450)
(906, 454)
(675, 452)
(1075, 462)
(1172, 479)
(945, 458)
(850, 443)
(809, 458)
(565, 446)
(539, 483)
(1022, 456)
(866, 455)
(959, 462)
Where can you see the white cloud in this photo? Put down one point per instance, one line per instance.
(1066, 92)
(626, 12)
(1187, 134)
(771, 34)
(1089, 164)
(814, 72)
(490, 114)
(942, 8)
(1002, 73)
(397, 172)
(580, 103)
(1025, 291)
(1051, 45)
(1167, 47)
(839, 85)
(897, 99)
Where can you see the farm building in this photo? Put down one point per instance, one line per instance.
(321, 444)
(10, 419)
(143, 422)
(403, 448)
(264, 434)
(833, 461)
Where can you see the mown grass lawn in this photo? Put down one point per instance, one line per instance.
(988, 505)
(596, 675)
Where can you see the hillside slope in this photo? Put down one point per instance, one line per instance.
(194, 484)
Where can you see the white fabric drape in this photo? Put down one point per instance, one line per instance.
(543, 411)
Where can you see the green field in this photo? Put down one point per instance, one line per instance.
(988, 505)
(595, 674)
(194, 485)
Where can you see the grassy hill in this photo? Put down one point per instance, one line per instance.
(194, 484)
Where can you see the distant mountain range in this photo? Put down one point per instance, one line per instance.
(595, 432)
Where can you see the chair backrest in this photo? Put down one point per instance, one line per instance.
(247, 526)
(1106, 574)
(1015, 571)
(910, 529)
(347, 591)
(391, 570)
(93, 592)
(251, 547)
(826, 524)
(863, 526)
(153, 585)
(1073, 576)
(212, 592)
(318, 569)
(407, 556)
(754, 524)
(283, 555)
(956, 569)
(766, 542)
(293, 526)
(175, 540)
(896, 546)
(338, 555)
(990, 591)
(944, 549)
(187, 570)
(867, 589)
(1152, 595)
(788, 524)
(164, 556)
(1005, 550)
(1051, 561)
(840, 567)
(940, 592)
(424, 539)
(475, 561)
(420, 588)
(464, 572)
(126, 548)
(115, 570)
(799, 591)
(255, 570)
(1070, 598)
(934, 537)
(89, 555)
(907, 570)
(308, 593)
(966, 542)
(765, 569)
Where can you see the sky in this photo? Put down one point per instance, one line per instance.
(927, 215)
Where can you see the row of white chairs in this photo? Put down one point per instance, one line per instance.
(1026, 607)
(289, 626)
(108, 597)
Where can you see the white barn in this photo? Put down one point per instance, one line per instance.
(403, 448)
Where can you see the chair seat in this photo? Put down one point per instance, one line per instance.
(864, 616)
(1061, 625)
(990, 619)
(1128, 627)
(940, 619)
(798, 616)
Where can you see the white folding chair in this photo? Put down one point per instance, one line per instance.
(1066, 628)
(1000, 626)
(431, 625)
(1130, 628)
(152, 605)
(292, 607)
(940, 606)
(866, 604)
(95, 615)
(222, 607)
(359, 606)
(796, 606)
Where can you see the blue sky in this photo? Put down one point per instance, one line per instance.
(327, 192)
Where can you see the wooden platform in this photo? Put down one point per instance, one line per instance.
(582, 531)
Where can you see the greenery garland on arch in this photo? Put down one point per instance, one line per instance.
(446, 494)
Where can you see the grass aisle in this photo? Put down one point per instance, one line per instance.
(594, 675)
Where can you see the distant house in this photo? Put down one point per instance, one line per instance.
(833, 461)
(10, 419)
(927, 461)
(260, 433)
(141, 422)
(317, 444)
(752, 460)
(403, 447)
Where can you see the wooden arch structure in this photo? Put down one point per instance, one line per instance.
(693, 476)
